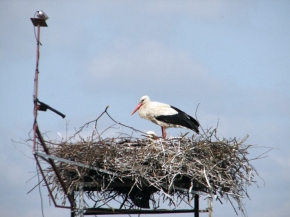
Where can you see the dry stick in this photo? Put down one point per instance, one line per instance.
(35, 186)
(132, 128)
(88, 123)
(260, 156)
(125, 199)
(108, 199)
(104, 202)
(31, 178)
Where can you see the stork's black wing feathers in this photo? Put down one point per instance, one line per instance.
(181, 118)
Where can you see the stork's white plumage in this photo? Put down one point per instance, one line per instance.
(165, 115)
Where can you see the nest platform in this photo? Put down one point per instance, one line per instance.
(126, 174)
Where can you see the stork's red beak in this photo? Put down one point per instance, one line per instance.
(136, 109)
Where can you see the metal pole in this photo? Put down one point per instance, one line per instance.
(196, 205)
(36, 88)
(210, 204)
(57, 173)
(72, 209)
(81, 200)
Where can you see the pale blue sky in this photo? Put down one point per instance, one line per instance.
(231, 56)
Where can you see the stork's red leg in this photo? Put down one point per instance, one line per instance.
(163, 132)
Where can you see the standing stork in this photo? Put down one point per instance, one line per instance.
(165, 115)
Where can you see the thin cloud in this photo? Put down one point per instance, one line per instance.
(152, 64)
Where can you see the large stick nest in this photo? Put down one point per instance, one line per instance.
(137, 168)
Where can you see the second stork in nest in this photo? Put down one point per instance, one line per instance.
(165, 115)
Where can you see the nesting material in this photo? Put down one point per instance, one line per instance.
(137, 168)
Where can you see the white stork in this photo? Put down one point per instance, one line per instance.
(165, 115)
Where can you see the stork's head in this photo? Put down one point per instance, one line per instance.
(143, 100)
